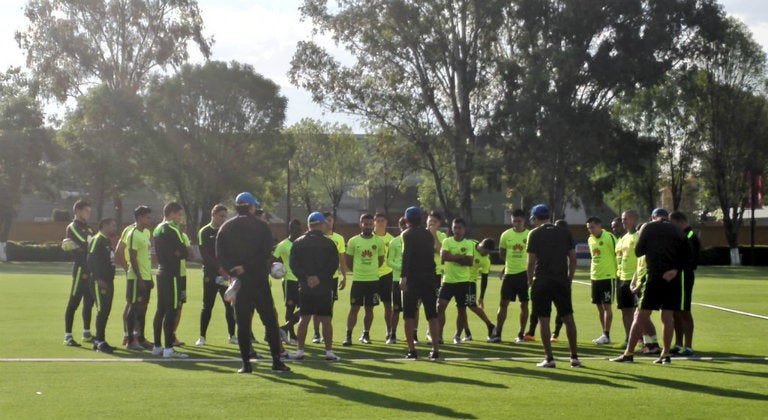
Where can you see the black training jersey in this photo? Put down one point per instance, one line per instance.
(206, 238)
(79, 232)
(551, 244)
(418, 254)
(695, 243)
(664, 246)
(244, 241)
(169, 248)
(314, 254)
(100, 259)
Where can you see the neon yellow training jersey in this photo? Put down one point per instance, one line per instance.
(384, 269)
(365, 254)
(625, 256)
(516, 246)
(603, 251)
(283, 251)
(454, 272)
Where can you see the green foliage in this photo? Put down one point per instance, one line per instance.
(29, 251)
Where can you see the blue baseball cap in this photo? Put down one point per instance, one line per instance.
(540, 212)
(315, 218)
(660, 212)
(412, 213)
(246, 198)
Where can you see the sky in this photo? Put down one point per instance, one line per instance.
(264, 33)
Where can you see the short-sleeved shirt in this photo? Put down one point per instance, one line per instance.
(551, 245)
(481, 265)
(603, 252)
(515, 243)
(365, 254)
(124, 240)
(625, 256)
(454, 272)
(384, 269)
(139, 241)
(283, 251)
(438, 263)
(395, 256)
(340, 247)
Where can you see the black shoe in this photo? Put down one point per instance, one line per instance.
(70, 342)
(246, 368)
(433, 355)
(411, 355)
(280, 367)
(663, 360)
(491, 329)
(365, 338)
(624, 358)
(103, 347)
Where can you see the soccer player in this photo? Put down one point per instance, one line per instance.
(434, 220)
(314, 259)
(617, 227)
(395, 261)
(365, 253)
(79, 233)
(626, 261)
(214, 277)
(171, 251)
(243, 248)
(550, 269)
(514, 286)
(385, 272)
(481, 266)
(683, 318)
(101, 267)
(139, 284)
(418, 281)
(182, 279)
(602, 271)
(666, 251)
(340, 277)
(281, 254)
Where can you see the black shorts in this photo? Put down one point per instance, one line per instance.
(661, 294)
(515, 286)
(602, 291)
(364, 293)
(385, 288)
(544, 294)
(463, 292)
(134, 295)
(291, 292)
(688, 279)
(624, 296)
(320, 304)
(397, 297)
(420, 293)
(169, 290)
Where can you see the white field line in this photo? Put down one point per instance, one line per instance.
(320, 360)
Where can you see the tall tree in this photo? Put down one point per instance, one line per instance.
(429, 59)
(307, 138)
(388, 163)
(217, 132)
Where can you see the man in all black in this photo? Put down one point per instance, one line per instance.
(78, 234)
(170, 250)
(211, 272)
(683, 318)
(243, 248)
(418, 280)
(101, 267)
(314, 260)
(666, 253)
(551, 266)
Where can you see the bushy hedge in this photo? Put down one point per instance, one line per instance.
(721, 255)
(30, 251)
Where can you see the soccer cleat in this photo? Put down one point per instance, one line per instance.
(391, 339)
(433, 355)
(157, 351)
(280, 367)
(246, 368)
(494, 339)
(411, 355)
(316, 338)
(177, 343)
(134, 345)
(456, 339)
(233, 340)
(415, 340)
(688, 352)
(529, 337)
(491, 329)
(429, 338)
(296, 356)
(70, 342)
(88, 337)
(546, 363)
(663, 360)
(467, 338)
(651, 348)
(554, 339)
(286, 355)
(575, 363)
(331, 357)
(103, 347)
(519, 339)
(365, 338)
(624, 358)
(603, 339)
(173, 354)
(200, 341)
(676, 350)
(145, 343)
(347, 342)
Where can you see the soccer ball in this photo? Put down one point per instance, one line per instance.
(277, 270)
(68, 245)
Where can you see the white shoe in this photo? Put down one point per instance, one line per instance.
(546, 364)
(286, 355)
(603, 339)
(331, 357)
(200, 341)
(233, 340)
(157, 351)
(173, 354)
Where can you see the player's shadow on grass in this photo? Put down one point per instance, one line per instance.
(337, 389)
(531, 371)
(717, 367)
(391, 370)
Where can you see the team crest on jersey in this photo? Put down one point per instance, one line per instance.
(367, 253)
(373, 247)
(596, 251)
(463, 250)
(517, 247)
(601, 243)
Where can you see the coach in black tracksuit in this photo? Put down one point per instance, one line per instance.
(243, 248)
(101, 267)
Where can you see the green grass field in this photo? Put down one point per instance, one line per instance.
(41, 378)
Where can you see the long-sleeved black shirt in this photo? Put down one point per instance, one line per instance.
(206, 238)
(695, 244)
(314, 254)
(418, 263)
(247, 241)
(664, 246)
(169, 248)
(79, 232)
(100, 259)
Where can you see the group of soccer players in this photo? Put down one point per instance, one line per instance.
(402, 274)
